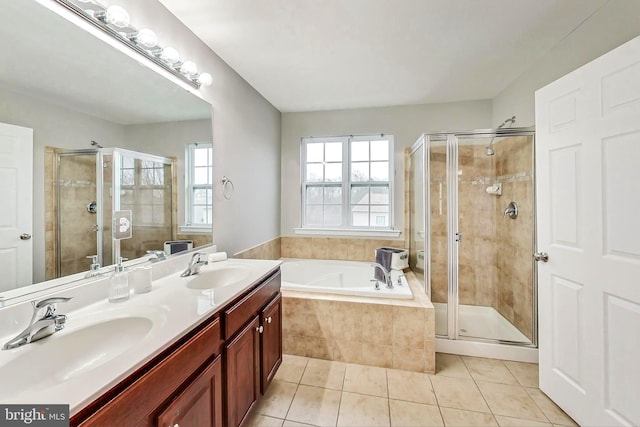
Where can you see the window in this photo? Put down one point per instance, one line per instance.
(346, 182)
(199, 183)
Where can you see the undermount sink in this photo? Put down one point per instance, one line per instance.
(217, 278)
(71, 353)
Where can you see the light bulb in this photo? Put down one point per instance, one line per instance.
(204, 79)
(169, 55)
(145, 37)
(189, 68)
(114, 15)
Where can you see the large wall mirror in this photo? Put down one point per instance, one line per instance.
(84, 100)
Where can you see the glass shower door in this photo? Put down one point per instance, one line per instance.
(438, 247)
(496, 283)
(77, 211)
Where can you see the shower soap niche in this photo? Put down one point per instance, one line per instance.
(495, 189)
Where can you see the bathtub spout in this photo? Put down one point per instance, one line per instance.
(387, 276)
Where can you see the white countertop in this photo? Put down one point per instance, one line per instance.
(40, 372)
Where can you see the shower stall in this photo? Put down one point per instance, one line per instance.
(89, 186)
(472, 236)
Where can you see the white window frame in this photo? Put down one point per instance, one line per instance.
(346, 227)
(189, 227)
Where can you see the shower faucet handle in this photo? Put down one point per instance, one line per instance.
(377, 283)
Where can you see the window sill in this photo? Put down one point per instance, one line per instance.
(193, 229)
(346, 232)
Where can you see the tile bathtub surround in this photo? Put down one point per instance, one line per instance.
(266, 250)
(313, 392)
(345, 249)
(377, 332)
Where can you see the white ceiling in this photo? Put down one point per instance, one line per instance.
(305, 55)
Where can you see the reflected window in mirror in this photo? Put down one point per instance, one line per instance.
(199, 195)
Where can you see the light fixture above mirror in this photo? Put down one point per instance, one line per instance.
(114, 20)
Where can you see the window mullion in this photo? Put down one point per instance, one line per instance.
(346, 182)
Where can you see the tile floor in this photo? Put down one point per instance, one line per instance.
(465, 391)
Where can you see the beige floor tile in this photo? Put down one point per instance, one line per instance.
(277, 399)
(410, 386)
(366, 380)
(324, 373)
(459, 417)
(410, 414)
(458, 393)
(511, 401)
(361, 410)
(288, 423)
(451, 365)
(291, 368)
(554, 413)
(314, 405)
(525, 373)
(258, 420)
(491, 370)
(519, 422)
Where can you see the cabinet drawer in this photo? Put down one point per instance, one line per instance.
(249, 306)
(138, 402)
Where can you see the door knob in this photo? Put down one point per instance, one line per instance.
(25, 236)
(541, 256)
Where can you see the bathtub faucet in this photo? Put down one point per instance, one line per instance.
(387, 276)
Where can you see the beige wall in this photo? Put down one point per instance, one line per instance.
(612, 25)
(406, 123)
(246, 136)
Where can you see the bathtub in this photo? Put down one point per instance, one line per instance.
(339, 277)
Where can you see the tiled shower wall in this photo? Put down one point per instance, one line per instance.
(514, 293)
(495, 267)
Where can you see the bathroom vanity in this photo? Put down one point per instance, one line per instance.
(210, 377)
(195, 351)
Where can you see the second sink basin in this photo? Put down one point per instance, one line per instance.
(217, 278)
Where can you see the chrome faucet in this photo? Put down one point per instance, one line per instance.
(195, 264)
(387, 276)
(48, 324)
(157, 256)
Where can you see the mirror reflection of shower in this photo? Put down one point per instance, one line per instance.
(511, 121)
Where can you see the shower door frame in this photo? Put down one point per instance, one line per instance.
(452, 139)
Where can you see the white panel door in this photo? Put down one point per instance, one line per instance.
(588, 192)
(16, 206)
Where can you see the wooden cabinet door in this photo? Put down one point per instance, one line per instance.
(271, 320)
(243, 372)
(200, 403)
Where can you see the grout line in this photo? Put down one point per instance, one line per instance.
(386, 377)
(479, 389)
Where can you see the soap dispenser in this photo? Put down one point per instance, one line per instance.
(119, 285)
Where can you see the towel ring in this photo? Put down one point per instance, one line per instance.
(227, 188)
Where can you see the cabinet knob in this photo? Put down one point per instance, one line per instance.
(259, 329)
(268, 319)
(175, 425)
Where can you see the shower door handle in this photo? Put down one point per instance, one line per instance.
(25, 236)
(541, 256)
(458, 237)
